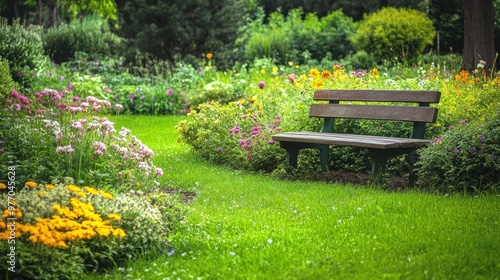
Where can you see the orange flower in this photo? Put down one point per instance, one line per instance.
(326, 74)
(209, 55)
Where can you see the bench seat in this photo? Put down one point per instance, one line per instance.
(353, 140)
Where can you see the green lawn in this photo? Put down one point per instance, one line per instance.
(249, 226)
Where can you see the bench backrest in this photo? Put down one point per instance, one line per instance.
(419, 115)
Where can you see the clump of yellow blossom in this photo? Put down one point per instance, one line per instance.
(31, 184)
(2, 186)
(69, 223)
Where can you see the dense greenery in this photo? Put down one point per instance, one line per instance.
(391, 33)
(22, 47)
(91, 35)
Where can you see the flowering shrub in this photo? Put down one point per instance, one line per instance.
(55, 135)
(80, 228)
(465, 158)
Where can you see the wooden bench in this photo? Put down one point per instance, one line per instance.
(360, 106)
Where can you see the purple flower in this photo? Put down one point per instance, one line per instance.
(481, 138)
(170, 91)
(62, 78)
(438, 139)
(261, 84)
(271, 142)
(108, 90)
(456, 151)
(131, 96)
(473, 149)
(70, 86)
(219, 150)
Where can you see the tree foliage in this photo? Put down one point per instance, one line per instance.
(167, 29)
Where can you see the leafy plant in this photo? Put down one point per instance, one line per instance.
(23, 48)
(464, 159)
(391, 32)
(90, 35)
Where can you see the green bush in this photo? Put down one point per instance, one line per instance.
(321, 37)
(391, 32)
(6, 82)
(23, 48)
(63, 230)
(465, 159)
(299, 39)
(90, 35)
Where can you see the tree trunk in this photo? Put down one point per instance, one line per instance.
(39, 11)
(479, 41)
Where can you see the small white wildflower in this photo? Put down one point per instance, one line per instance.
(269, 241)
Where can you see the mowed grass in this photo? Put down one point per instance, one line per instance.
(250, 226)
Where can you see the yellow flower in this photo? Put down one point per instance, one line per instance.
(106, 194)
(314, 72)
(318, 84)
(2, 224)
(2, 186)
(91, 190)
(275, 69)
(114, 217)
(263, 71)
(81, 194)
(209, 55)
(41, 193)
(31, 184)
(297, 66)
(73, 188)
(17, 213)
(50, 186)
(119, 232)
(374, 71)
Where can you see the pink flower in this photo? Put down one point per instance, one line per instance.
(108, 90)
(261, 84)
(118, 107)
(15, 93)
(76, 99)
(170, 91)
(131, 96)
(159, 172)
(62, 78)
(70, 86)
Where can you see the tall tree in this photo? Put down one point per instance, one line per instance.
(479, 35)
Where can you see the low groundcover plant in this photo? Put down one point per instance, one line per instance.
(62, 229)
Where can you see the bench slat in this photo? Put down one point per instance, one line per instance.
(362, 141)
(394, 113)
(416, 96)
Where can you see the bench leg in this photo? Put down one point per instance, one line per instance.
(291, 158)
(412, 159)
(379, 161)
(324, 157)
